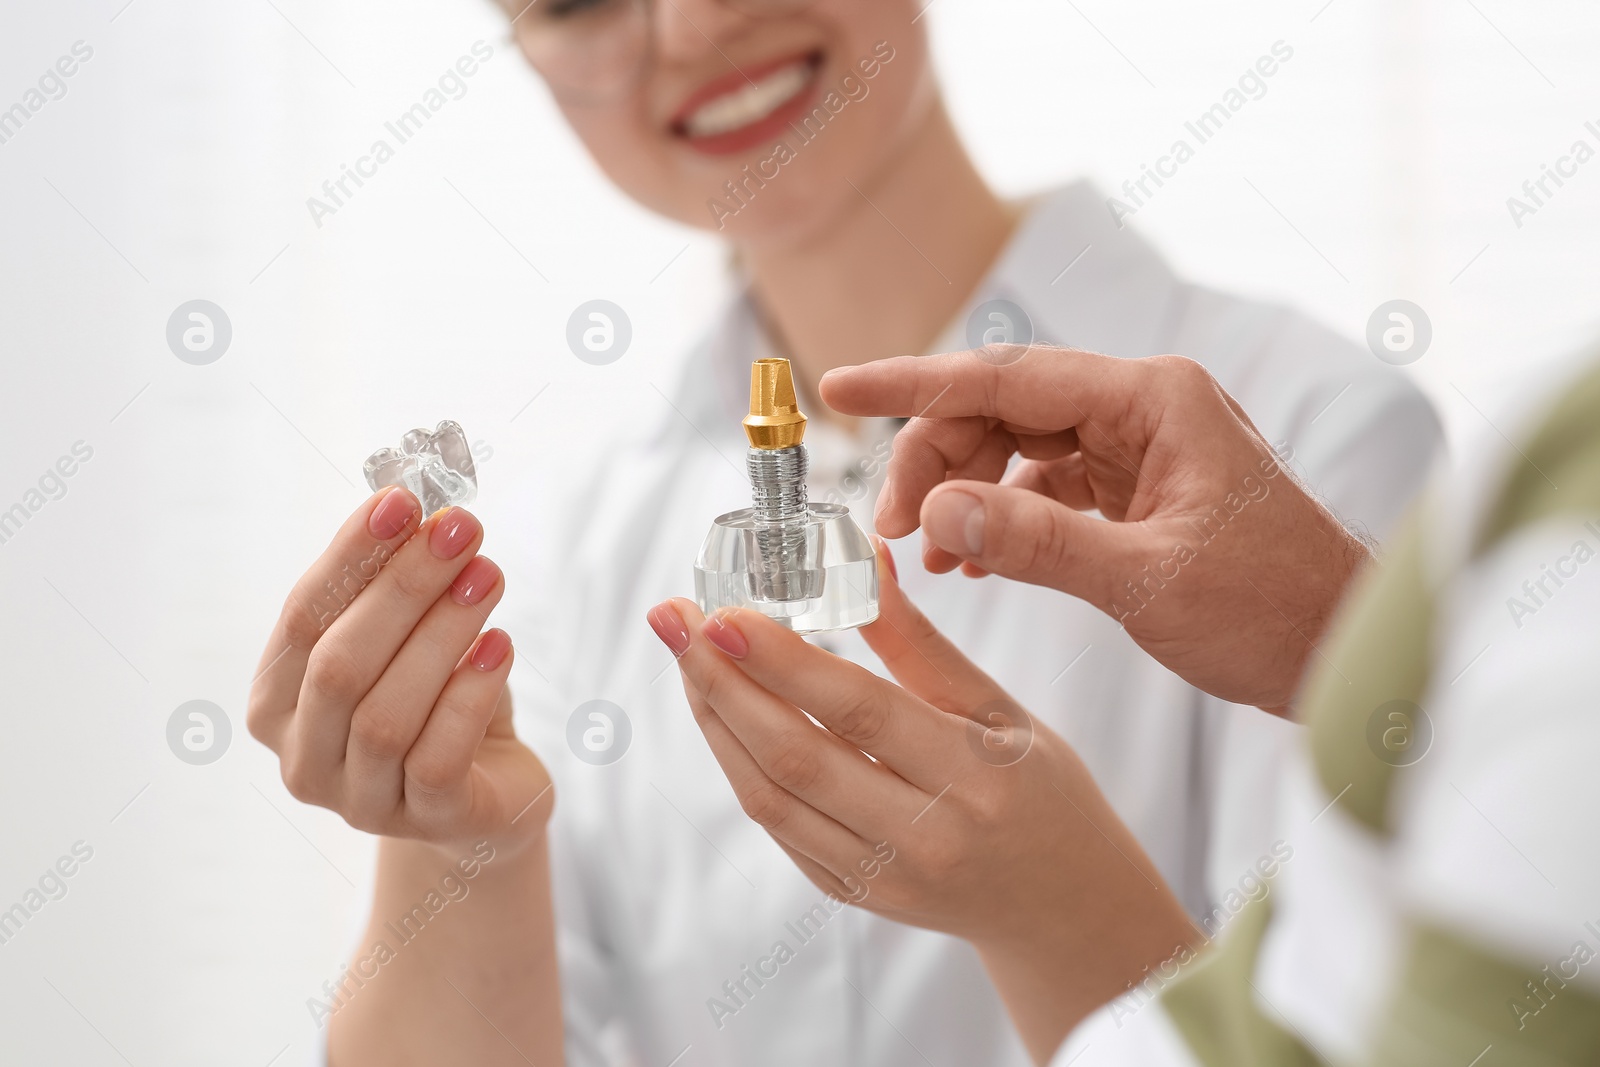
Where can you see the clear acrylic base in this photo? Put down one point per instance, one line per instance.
(814, 576)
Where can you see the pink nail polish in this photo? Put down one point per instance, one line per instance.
(397, 510)
(726, 636)
(474, 581)
(668, 625)
(887, 557)
(491, 650)
(452, 533)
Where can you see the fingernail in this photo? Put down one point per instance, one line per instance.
(491, 650)
(884, 496)
(954, 521)
(452, 533)
(886, 562)
(474, 581)
(726, 636)
(393, 514)
(668, 625)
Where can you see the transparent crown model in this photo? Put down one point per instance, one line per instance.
(808, 566)
(437, 467)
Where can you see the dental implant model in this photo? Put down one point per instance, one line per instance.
(435, 465)
(806, 565)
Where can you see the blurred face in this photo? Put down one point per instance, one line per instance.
(751, 118)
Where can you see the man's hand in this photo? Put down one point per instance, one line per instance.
(969, 817)
(1215, 560)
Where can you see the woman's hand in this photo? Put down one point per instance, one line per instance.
(381, 697)
(968, 817)
(1215, 560)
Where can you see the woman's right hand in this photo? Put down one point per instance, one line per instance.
(382, 699)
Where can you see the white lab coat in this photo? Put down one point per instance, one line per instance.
(665, 891)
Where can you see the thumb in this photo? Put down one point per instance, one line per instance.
(1024, 535)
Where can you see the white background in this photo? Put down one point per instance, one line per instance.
(178, 166)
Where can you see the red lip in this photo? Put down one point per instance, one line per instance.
(758, 132)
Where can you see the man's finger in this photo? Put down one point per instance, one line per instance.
(923, 456)
(1065, 480)
(930, 451)
(1027, 392)
(1023, 535)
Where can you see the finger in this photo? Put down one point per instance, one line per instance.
(921, 658)
(1025, 392)
(936, 560)
(820, 876)
(1065, 479)
(930, 451)
(865, 711)
(389, 719)
(814, 765)
(988, 461)
(369, 538)
(1045, 446)
(1029, 537)
(361, 642)
(438, 786)
(820, 845)
(923, 456)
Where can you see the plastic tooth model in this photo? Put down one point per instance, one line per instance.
(806, 565)
(437, 467)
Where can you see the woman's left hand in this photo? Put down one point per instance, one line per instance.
(969, 817)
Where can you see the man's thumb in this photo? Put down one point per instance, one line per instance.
(1024, 535)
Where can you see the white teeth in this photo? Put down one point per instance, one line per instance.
(750, 103)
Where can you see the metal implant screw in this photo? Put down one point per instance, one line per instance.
(779, 508)
(806, 566)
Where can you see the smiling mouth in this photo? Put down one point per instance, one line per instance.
(755, 97)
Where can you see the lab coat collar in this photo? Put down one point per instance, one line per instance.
(1082, 282)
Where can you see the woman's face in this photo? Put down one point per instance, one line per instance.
(754, 127)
